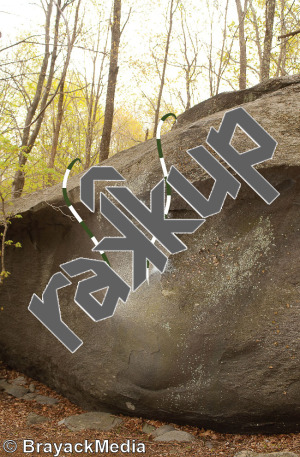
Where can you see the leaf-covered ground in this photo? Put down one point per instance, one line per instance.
(13, 426)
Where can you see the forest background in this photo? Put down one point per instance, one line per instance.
(88, 79)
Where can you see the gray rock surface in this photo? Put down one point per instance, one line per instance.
(163, 429)
(30, 396)
(33, 419)
(214, 340)
(19, 381)
(92, 421)
(44, 400)
(149, 429)
(14, 390)
(229, 100)
(209, 444)
(175, 435)
(3, 384)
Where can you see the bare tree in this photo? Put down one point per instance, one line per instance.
(172, 10)
(280, 70)
(37, 107)
(266, 57)
(92, 96)
(112, 81)
(189, 49)
(60, 105)
(221, 63)
(57, 126)
(242, 42)
(217, 65)
(257, 34)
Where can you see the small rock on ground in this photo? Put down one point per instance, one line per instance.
(34, 418)
(163, 429)
(175, 435)
(15, 391)
(147, 428)
(3, 384)
(91, 421)
(43, 400)
(29, 396)
(210, 444)
(19, 381)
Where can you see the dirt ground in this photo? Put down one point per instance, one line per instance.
(14, 412)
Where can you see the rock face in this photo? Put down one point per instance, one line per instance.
(214, 340)
(227, 100)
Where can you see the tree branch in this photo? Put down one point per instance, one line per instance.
(288, 34)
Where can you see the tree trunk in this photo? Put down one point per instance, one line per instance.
(257, 34)
(210, 65)
(57, 126)
(242, 42)
(146, 135)
(112, 82)
(163, 74)
(280, 71)
(220, 71)
(92, 98)
(60, 105)
(266, 58)
(188, 88)
(190, 64)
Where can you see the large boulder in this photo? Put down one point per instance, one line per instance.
(214, 340)
(227, 100)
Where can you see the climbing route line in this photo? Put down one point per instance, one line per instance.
(165, 175)
(74, 212)
(164, 170)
